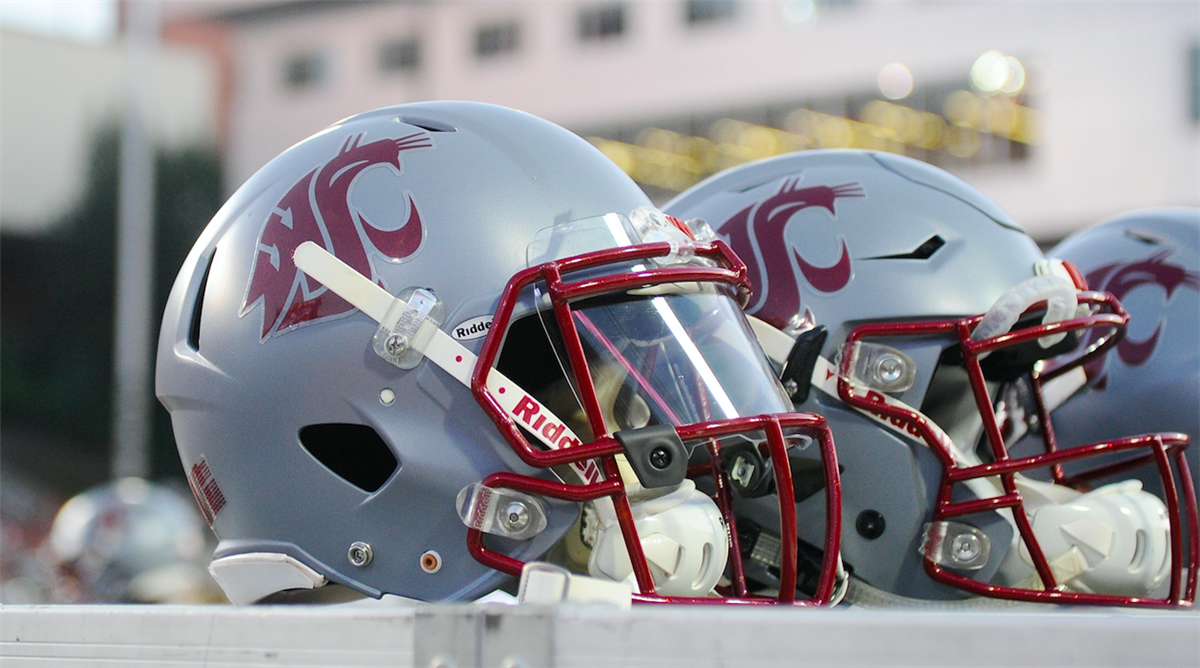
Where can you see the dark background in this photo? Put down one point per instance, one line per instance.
(56, 321)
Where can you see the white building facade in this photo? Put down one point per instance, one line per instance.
(58, 93)
(1100, 113)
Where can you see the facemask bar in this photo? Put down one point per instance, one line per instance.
(601, 476)
(1161, 448)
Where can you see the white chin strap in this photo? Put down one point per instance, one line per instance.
(683, 536)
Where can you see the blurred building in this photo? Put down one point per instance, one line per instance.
(62, 99)
(1082, 111)
(58, 93)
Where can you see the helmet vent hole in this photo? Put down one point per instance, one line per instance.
(193, 337)
(428, 125)
(922, 252)
(354, 452)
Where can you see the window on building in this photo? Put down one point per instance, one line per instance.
(400, 55)
(304, 70)
(709, 11)
(494, 39)
(1194, 75)
(602, 22)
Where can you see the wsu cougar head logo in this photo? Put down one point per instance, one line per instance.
(756, 234)
(1120, 279)
(318, 209)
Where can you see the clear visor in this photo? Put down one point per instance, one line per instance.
(680, 357)
(581, 236)
(675, 354)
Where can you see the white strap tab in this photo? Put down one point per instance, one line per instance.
(547, 584)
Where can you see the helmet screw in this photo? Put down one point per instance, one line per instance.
(660, 458)
(742, 471)
(791, 387)
(359, 554)
(395, 344)
(891, 368)
(965, 548)
(870, 524)
(516, 516)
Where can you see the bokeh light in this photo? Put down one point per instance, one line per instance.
(799, 14)
(995, 73)
(895, 81)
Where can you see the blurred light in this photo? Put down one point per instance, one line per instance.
(88, 20)
(675, 161)
(895, 81)
(963, 108)
(994, 72)
(998, 116)
(799, 14)
(906, 125)
(962, 142)
(1016, 76)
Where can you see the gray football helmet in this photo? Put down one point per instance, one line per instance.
(438, 346)
(1150, 260)
(129, 541)
(907, 308)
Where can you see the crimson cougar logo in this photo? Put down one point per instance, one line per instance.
(1120, 279)
(318, 208)
(756, 235)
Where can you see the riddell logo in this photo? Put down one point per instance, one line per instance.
(529, 411)
(897, 422)
(475, 328)
(318, 208)
(482, 503)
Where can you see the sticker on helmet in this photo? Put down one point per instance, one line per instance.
(472, 328)
(208, 493)
(318, 208)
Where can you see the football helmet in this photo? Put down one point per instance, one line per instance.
(438, 346)
(907, 308)
(129, 541)
(1150, 260)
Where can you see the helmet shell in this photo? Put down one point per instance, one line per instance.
(130, 540)
(1150, 261)
(441, 195)
(842, 238)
